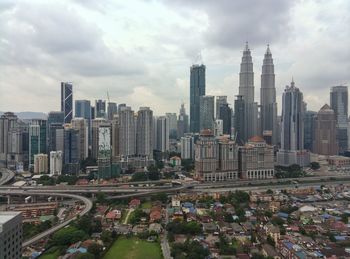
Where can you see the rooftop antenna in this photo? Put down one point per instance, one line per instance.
(199, 59)
(108, 97)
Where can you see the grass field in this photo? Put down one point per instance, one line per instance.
(133, 248)
(146, 205)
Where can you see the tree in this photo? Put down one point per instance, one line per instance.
(84, 256)
(106, 236)
(153, 173)
(68, 236)
(270, 241)
(95, 249)
(315, 165)
(139, 177)
(269, 191)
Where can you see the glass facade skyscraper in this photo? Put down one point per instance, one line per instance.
(67, 101)
(197, 89)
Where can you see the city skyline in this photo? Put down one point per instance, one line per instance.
(146, 80)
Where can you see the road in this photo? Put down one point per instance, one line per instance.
(128, 215)
(6, 176)
(86, 201)
(164, 243)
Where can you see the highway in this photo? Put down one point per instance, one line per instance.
(6, 176)
(86, 201)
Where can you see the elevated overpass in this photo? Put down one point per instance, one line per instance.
(6, 176)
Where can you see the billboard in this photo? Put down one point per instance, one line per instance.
(104, 142)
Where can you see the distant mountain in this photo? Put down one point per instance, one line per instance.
(29, 115)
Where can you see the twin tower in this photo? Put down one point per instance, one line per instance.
(247, 122)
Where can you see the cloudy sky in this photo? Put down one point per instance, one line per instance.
(140, 51)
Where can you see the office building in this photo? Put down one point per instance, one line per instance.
(292, 129)
(240, 133)
(197, 89)
(215, 159)
(100, 109)
(182, 122)
(115, 138)
(309, 131)
(83, 109)
(71, 153)
(8, 121)
(339, 104)
(82, 126)
(187, 147)
(325, 141)
(56, 159)
(220, 100)
(162, 134)
(127, 132)
(55, 118)
(246, 90)
(40, 164)
(67, 101)
(256, 159)
(112, 109)
(226, 116)
(268, 112)
(37, 139)
(95, 125)
(206, 113)
(11, 235)
(144, 132)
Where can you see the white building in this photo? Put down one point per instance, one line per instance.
(187, 147)
(40, 164)
(219, 128)
(56, 162)
(10, 235)
(162, 134)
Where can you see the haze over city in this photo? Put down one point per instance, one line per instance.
(141, 51)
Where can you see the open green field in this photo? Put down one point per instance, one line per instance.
(134, 248)
(146, 205)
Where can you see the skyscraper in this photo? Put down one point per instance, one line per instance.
(11, 234)
(100, 109)
(67, 101)
(339, 104)
(220, 100)
(292, 129)
(71, 153)
(268, 98)
(162, 134)
(144, 132)
(95, 125)
(246, 90)
(206, 113)
(309, 132)
(239, 120)
(226, 116)
(56, 162)
(8, 121)
(83, 109)
(127, 132)
(325, 142)
(197, 89)
(81, 125)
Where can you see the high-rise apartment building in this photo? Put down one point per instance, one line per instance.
(246, 90)
(56, 160)
(187, 147)
(11, 235)
(268, 114)
(292, 129)
(325, 140)
(206, 112)
(339, 104)
(67, 101)
(162, 134)
(40, 164)
(144, 132)
(127, 132)
(197, 89)
(8, 121)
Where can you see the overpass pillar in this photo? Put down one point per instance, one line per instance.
(8, 199)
